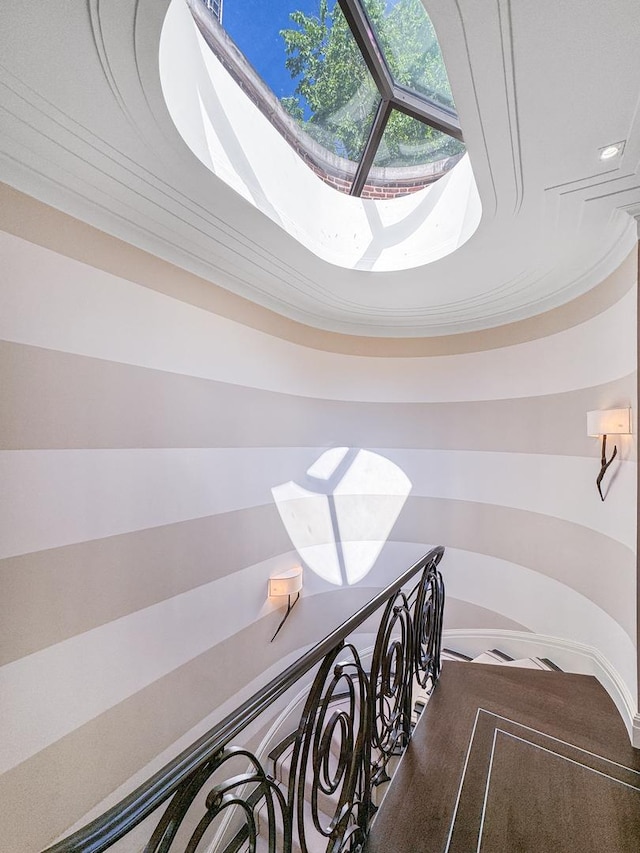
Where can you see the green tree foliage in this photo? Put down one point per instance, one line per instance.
(335, 86)
(292, 106)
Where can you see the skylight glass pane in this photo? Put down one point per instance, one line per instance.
(305, 52)
(408, 142)
(411, 49)
(255, 26)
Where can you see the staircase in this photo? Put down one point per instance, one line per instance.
(496, 657)
(280, 757)
(493, 657)
(510, 758)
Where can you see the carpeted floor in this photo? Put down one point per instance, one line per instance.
(507, 760)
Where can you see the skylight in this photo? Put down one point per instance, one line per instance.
(361, 91)
(238, 129)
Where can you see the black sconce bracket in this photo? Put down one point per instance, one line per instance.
(290, 607)
(604, 464)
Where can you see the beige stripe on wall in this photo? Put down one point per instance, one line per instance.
(58, 400)
(58, 593)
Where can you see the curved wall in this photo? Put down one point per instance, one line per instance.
(148, 416)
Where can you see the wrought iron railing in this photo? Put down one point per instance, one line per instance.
(355, 721)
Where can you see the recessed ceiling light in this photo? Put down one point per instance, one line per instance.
(611, 151)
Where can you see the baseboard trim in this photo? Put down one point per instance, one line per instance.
(569, 655)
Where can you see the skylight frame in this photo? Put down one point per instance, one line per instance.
(201, 69)
(392, 94)
(358, 176)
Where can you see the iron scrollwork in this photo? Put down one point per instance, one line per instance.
(330, 765)
(407, 648)
(391, 683)
(248, 793)
(427, 622)
(354, 722)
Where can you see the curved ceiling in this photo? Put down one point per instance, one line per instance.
(93, 137)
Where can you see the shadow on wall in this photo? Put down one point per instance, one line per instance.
(341, 517)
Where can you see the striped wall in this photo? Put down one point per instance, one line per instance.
(146, 418)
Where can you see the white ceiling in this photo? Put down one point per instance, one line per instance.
(540, 87)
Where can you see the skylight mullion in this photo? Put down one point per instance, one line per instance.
(370, 124)
(427, 111)
(375, 135)
(365, 38)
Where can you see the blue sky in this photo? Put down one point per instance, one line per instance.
(255, 27)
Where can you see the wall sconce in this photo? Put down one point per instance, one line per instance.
(606, 422)
(286, 583)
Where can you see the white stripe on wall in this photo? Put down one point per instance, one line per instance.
(58, 303)
(59, 497)
(560, 486)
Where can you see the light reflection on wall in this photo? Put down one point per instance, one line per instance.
(339, 520)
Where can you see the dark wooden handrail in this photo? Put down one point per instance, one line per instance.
(115, 823)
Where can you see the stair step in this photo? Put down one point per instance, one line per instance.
(535, 663)
(449, 654)
(283, 753)
(493, 656)
(315, 841)
(326, 803)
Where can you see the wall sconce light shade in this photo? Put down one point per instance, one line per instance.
(286, 583)
(609, 422)
(606, 422)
